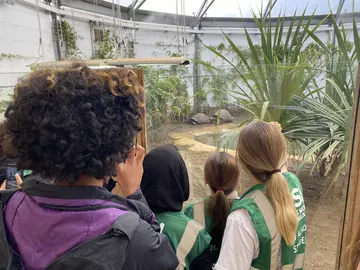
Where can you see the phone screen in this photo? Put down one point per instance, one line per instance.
(10, 177)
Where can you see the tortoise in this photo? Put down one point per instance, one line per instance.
(225, 116)
(200, 119)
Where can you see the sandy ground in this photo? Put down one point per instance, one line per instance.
(323, 214)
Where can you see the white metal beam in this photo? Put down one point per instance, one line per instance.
(201, 16)
(108, 20)
(140, 4)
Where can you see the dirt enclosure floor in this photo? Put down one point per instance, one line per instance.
(323, 214)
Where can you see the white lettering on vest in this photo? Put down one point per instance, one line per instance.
(297, 197)
(214, 248)
(301, 230)
(302, 241)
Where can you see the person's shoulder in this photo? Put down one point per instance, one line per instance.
(178, 220)
(239, 215)
(150, 244)
(174, 222)
(191, 205)
(289, 175)
(291, 178)
(194, 225)
(246, 201)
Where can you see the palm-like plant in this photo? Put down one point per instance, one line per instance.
(324, 123)
(272, 73)
(279, 86)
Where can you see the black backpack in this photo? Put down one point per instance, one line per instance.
(107, 251)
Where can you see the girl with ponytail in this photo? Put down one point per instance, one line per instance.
(222, 177)
(266, 228)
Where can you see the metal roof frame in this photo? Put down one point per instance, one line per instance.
(134, 6)
(201, 13)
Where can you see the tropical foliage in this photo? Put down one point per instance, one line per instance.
(273, 72)
(69, 37)
(324, 122)
(107, 46)
(308, 89)
(167, 98)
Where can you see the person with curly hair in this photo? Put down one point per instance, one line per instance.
(75, 127)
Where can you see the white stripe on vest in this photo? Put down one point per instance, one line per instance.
(268, 213)
(199, 213)
(186, 243)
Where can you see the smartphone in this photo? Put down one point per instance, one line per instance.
(10, 177)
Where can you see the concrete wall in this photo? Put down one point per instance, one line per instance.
(20, 42)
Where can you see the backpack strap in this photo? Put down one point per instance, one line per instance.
(105, 252)
(8, 259)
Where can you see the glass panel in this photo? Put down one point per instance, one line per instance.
(304, 82)
(310, 92)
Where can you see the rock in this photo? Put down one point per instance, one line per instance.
(200, 119)
(225, 116)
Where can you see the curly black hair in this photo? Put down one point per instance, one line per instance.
(70, 122)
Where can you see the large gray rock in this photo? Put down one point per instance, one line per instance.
(200, 119)
(225, 116)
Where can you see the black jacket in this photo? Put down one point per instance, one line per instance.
(145, 247)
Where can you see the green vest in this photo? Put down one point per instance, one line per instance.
(197, 212)
(271, 244)
(187, 237)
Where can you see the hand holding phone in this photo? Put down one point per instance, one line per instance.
(18, 182)
(10, 177)
(129, 174)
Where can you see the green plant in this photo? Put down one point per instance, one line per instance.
(5, 103)
(217, 84)
(10, 56)
(131, 49)
(34, 67)
(270, 74)
(107, 47)
(326, 127)
(167, 98)
(69, 36)
(315, 118)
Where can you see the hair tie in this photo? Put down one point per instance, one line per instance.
(219, 188)
(269, 174)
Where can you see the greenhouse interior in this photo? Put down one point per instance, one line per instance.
(209, 68)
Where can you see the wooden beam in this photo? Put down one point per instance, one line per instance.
(350, 224)
(115, 62)
(142, 137)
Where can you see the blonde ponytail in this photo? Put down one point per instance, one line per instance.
(277, 191)
(262, 152)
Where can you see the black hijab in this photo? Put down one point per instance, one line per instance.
(165, 183)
